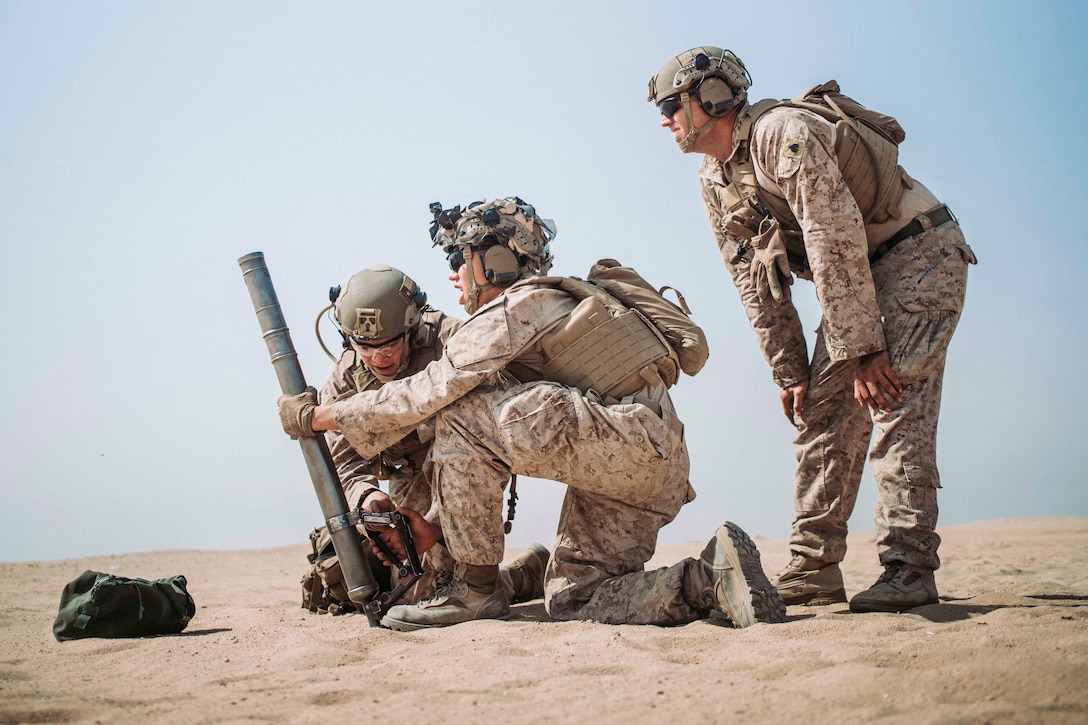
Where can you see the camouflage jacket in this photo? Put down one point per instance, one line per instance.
(351, 376)
(793, 151)
(506, 330)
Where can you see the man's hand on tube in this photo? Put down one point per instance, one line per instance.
(297, 413)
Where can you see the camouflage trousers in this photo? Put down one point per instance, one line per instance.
(920, 287)
(626, 471)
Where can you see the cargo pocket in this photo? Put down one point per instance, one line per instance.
(918, 341)
(927, 273)
(814, 497)
(921, 493)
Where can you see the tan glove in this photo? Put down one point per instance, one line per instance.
(770, 271)
(297, 413)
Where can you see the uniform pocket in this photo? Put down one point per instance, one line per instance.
(927, 273)
(921, 492)
(914, 337)
(937, 284)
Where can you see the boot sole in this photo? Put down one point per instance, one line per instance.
(816, 599)
(402, 626)
(766, 603)
(886, 607)
(399, 626)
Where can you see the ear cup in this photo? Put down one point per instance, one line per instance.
(500, 265)
(715, 96)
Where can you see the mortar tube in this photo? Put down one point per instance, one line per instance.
(358, 577)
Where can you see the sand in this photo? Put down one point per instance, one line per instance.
(1008, 643)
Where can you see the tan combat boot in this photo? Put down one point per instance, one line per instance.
(437, 573)
(728, 577)
(523, 579)
(474, 593)
(899, 588)
(811, 582)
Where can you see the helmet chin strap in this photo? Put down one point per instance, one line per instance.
(472, 302)
(688, 142)
(473, 299)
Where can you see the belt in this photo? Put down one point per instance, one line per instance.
(936, 216)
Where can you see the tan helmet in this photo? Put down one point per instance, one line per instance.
(716, 78)
(378, 303)
(507, 233)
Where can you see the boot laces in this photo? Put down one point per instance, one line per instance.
(892, 573)
(446, 586)
(797, 563)
(442, 580)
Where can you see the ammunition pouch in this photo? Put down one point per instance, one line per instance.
(744, 222)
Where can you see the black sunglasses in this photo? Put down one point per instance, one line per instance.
(669, 106)
(456, 258)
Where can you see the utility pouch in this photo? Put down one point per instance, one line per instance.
(673, 320)
(323, 587)
(103, 605)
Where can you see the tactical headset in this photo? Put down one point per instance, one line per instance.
(501, 265)
(506, 234)
(715, 96)
(716, 77)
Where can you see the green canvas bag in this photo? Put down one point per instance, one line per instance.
(104, 605)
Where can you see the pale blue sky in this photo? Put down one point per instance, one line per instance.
(145, 146)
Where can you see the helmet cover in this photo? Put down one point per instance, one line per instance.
(687, 71)
(379, 303)
(510, 222)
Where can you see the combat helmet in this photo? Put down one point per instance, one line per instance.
(377, 303)
(511, 239)
(715, 78)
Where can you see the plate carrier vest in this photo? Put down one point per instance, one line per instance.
(867, 152)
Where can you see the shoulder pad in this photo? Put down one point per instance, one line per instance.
(537, 280)
(755, 111)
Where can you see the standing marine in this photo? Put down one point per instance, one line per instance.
(499, 409)
(812, 187)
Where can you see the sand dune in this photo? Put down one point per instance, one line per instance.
(1007, 644)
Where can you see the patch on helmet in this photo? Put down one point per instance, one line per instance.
(368, 322)
(408, 289)
(793, 148)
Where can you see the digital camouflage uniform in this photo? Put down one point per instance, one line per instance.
(403, 462)
(907, 302)
(625, 465)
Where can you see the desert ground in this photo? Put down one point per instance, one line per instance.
(1008, 643)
